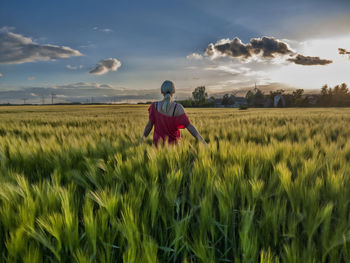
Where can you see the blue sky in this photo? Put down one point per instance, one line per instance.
(151, 40)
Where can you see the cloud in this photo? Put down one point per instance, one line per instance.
(195, 56)
(88, 45)
(31, 78)
(343, 51)
(309, 61)
(81, 92)
(104, 30)
(17, 49)
(87, 86)
(60, 96)
(7, 29)
(1, 75)
(224, 68)
(106, 65)
(74, 67)
(266, 47)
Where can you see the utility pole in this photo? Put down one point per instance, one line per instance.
(52, 96)
(24, 101)
(43, 99)
(255, 88)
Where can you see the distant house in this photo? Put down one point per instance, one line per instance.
(268, 102)
(218, 103)
(234, 102)
(312, 99)
(238, 102)
(258, 102)
(279, 101)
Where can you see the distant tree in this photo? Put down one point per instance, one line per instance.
(326, 95)
(258, 93)
(212, 98)
(187, 103)
(276, 92)
(253, 97)
(199, 95)
(324, 90)
(297, 94)
(340, 94)
(297, 97)
(228, 99)
(344, 88)
(249, 96)
(225, 99)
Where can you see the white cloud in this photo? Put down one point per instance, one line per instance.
(106, 65)
(104, 30)
(74, 67)
(194, 56)
(224, 68)
(17, 49)
(87, 86)
(7, 29)
(71, 67)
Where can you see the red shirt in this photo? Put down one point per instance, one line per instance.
(166, 127)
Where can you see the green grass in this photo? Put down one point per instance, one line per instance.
(273, 186)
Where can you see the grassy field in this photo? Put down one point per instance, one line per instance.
(273, 186)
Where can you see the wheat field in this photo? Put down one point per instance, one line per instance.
(273, 186)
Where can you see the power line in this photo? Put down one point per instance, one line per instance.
(52, 96)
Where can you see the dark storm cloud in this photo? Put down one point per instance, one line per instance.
(267, 47)
(309, 61)
(343, 51)
(17, 49)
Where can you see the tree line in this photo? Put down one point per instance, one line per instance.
(338, 96)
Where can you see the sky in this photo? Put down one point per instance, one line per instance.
(112, 51)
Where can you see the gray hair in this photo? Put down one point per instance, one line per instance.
(167, 89)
